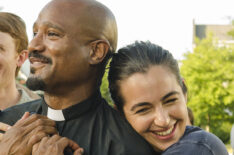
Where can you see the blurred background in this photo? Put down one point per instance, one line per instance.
(200, 35)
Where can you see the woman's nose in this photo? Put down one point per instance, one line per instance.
(162, 118)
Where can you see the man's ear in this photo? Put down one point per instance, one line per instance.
(21, 58)
(99, 50)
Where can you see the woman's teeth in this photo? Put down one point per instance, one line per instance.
(165, 133)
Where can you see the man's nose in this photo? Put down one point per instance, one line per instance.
(36, 44)
(162, 118)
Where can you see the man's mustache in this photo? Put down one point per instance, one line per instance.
(43, 58)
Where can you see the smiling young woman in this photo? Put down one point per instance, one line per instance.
(147, 88)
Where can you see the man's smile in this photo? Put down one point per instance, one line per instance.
(37, 63)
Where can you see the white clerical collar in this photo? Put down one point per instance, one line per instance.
(56, 115)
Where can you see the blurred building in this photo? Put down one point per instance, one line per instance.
(220, 32)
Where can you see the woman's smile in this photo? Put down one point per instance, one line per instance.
(165, 134)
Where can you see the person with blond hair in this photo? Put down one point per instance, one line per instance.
(13, 45)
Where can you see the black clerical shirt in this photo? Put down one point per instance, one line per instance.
(93, 124)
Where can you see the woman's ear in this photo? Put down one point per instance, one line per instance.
(22, 56)
(186, 98)
(99, 50)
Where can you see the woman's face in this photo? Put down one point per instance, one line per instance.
(155, 106)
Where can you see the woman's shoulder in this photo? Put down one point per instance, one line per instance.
(196, 134)
(197, 140)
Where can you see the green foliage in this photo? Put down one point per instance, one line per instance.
(209, 75)
(105, 89)
(231, 33)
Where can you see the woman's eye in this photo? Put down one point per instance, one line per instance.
(171, 100)
(142, 110)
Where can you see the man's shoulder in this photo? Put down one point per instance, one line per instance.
(12, 114)
(120, 134)
(112, 118)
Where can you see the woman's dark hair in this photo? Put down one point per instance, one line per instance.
(191, 116)
(138, 58)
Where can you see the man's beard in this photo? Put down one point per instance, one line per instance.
(35, 83)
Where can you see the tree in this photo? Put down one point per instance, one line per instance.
(209, 75)
(231, 33)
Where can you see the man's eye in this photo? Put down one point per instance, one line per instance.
(53, 34)
(171, 100)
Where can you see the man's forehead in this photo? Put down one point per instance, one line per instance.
(65, 10)
(70, 6)
(55, 14)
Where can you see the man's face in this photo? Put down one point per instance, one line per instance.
(57, 54)
(8, 58)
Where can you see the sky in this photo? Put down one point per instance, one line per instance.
(168, 23)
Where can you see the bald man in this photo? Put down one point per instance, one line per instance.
(72, 42)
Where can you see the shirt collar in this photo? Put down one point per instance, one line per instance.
(56, 115)
(73, 111)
